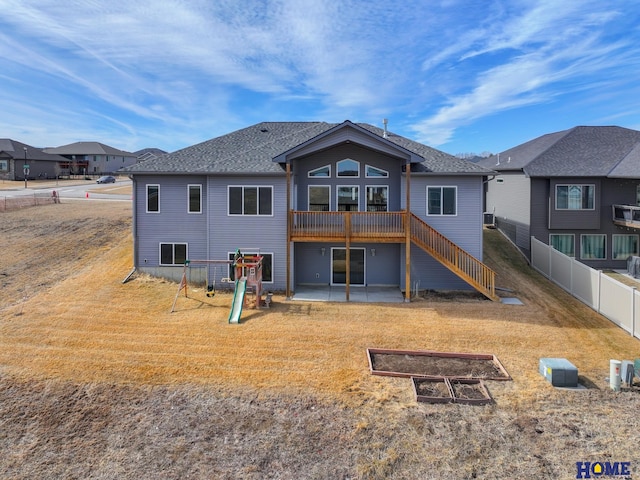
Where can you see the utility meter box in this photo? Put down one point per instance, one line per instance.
(560, 372)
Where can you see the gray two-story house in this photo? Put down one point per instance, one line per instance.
(324, 204)
(577, 190)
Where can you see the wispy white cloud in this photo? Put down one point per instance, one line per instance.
(537, 53)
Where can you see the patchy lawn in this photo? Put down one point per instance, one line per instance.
(99, 380)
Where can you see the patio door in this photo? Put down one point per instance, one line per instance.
(339, 266)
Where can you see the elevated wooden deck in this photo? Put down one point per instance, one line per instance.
(380, 227)
(626, 216)
(391, 227)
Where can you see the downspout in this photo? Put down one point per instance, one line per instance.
(289, 215)
(407, 248)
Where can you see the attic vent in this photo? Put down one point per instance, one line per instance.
(264, 129)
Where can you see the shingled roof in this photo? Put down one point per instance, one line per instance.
(88, 148)
(607, 151)
(251, 150)
(16, 150)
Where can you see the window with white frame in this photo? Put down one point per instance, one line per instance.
(374, 172)
(250, 200)
(173, 253)
(348, 168)
(194, 193)
(153, 198)
(320, 172)
(267, 266)
(593, 247)
(348, 198)
(319, 198)
(624, 246)
(442, 200)
(377, 198)
(575, 197)
(564, 243)
(4, 165)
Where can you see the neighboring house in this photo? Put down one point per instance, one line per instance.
(148, 154)
(18, 160)
(577, 190)
(324, 204)
(93, 158)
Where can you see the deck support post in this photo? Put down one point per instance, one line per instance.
(289, 220)
(407, 232)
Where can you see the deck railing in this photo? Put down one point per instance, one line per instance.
(391, 227)
(460, 262)
(327, 225)
(627, 215)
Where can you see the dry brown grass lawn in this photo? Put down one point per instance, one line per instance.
(107, 370)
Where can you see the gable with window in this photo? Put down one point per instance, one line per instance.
(250, 200)
(348, 168)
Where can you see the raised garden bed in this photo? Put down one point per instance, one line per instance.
(426, 363)
(443, 390)
(432, 390)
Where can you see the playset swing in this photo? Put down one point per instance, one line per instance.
(247, 270)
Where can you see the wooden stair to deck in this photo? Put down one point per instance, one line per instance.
(460, 262)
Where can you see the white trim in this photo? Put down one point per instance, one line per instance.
(309, 195)
(366, 196)
(347, 176)
(199, 185)
(366, 173)
(594, 235)
(146, 197)
(555, 193)
(254, 252)
(186, 244)
(613, 236)
(455, 187)
(257, 214)
(565, 234)
(351, 284)
(338, 187)
(319, 168)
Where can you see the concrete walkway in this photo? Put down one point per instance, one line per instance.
(325, 293)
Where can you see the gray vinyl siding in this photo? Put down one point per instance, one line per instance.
(249, 233)
(608, 193)
(464, 229)
(354, 152)
(172, 224)
(383, 268)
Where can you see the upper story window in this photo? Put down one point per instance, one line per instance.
(153, 198)
(373, 172)
(348, 168)
(348, 198)
(377, 198)
(638, 196)
(320, 172)
(250, 200)
(195, 198)
(575, 197)
(441, 200)
(319, 198)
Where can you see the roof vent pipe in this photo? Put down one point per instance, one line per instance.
(385, 122)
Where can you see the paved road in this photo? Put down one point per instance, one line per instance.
(86, 191)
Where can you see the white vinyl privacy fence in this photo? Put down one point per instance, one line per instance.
(616, 301)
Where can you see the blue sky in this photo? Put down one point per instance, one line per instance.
(464, 76)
